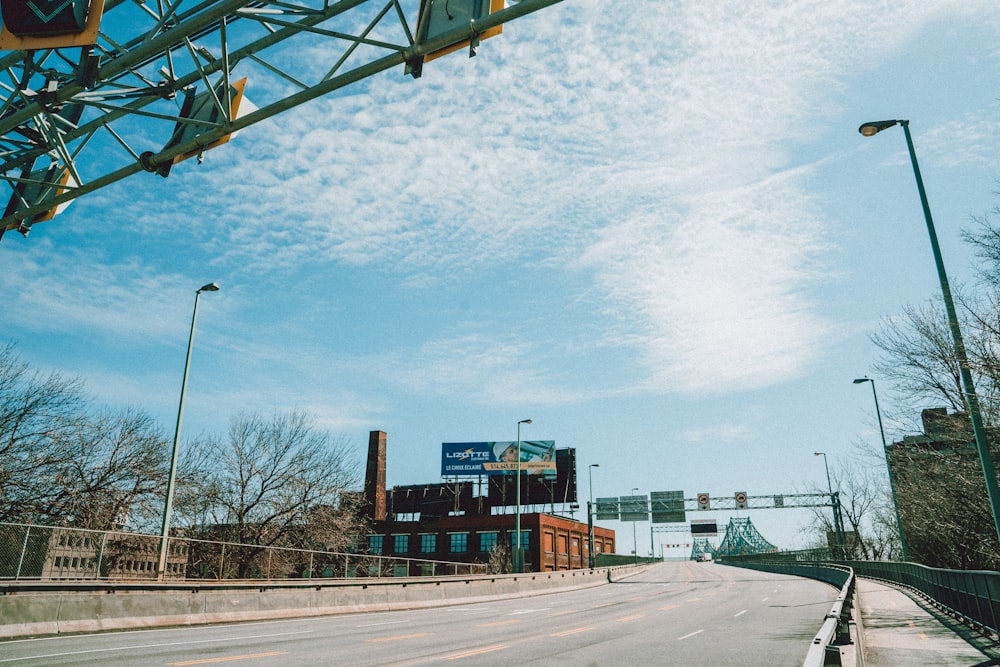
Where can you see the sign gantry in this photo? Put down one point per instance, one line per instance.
(96, 91)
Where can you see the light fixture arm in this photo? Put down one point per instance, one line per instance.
(968, 386)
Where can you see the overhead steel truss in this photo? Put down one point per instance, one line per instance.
(74, 120)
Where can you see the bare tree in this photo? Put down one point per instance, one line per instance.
(60, 464)
(115, 471)
(277, 482)
(866, 507)
(36, 412)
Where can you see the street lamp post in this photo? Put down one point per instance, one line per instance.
(518, 552)
(635, 540)
(591, 560)
(172, 476)
(888, 466)
(838, 529)
(971, 399)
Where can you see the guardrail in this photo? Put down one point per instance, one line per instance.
(836, 643)
(40, 608)
(52, 553)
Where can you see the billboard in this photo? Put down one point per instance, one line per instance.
(547, 488)
(497, 458)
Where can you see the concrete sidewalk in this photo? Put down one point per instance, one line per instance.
(899, 632)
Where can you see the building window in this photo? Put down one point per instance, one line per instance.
(459, 543)
(374, 544)
(524, 539)
(400, 544)
(488, 541)
(550, 543)
(428, 543)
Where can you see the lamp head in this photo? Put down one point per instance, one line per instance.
(595, 465)
(819, 453)
(871, 128)
(211, 287)
(524, 421)
(862, 380)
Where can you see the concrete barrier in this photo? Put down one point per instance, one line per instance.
(44, 609)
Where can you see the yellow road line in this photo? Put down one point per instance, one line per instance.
(567, 633)
(633, 617)
(229, 658)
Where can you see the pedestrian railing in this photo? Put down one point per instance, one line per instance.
(973, 596)
(50, 553)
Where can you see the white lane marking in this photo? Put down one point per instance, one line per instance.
(375, 625)
(739, 613)
(144, 646)
(696, 632)
(528, 611)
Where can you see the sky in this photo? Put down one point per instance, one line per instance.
(657, 233)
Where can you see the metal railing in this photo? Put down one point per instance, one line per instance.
(973, 596)
(51, 553)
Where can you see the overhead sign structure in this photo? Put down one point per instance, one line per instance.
(634, 508)
(497, 458)
(667, 506)
(606, 509)
(704, 527)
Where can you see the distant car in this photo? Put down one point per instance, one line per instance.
(705, 558)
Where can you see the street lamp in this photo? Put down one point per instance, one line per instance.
(835, 504)
(518, 553)
(171, 478)
(971, 400)
(590, 517)
(635, 540)
(888, 466)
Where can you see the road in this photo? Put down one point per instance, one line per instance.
(681, 613)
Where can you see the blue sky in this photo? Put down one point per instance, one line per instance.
(655, 232)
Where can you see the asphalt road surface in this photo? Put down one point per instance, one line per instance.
(681, 613)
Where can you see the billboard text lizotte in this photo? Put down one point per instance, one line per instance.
(497, 457)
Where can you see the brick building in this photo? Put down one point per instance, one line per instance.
(447, 522)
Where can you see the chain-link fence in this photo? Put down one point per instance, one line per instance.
(45, 553)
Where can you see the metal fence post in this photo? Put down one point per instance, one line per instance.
(100, 556)
(24, 548)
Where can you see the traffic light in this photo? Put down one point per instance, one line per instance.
(199, 112)
(44, 18)
(38, 187)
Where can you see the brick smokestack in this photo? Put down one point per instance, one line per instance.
(375, 477)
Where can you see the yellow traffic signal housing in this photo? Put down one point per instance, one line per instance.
(40, 186)
(439, 17)
(204, 109)
(31, 25)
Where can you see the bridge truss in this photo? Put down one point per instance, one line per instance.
(163, 81)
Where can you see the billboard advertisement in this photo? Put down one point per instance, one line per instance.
(497, 458)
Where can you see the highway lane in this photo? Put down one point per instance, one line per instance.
(682, 613)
